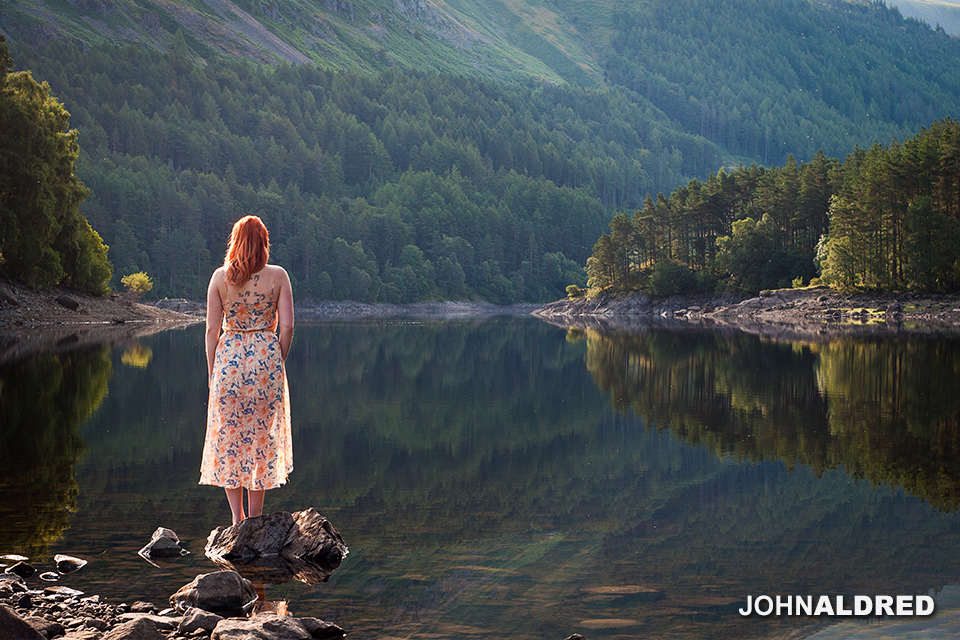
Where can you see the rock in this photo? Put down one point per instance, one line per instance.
(224, 592)
(163, 544)
(21, 569)
(83, 634)
(576, 636)
(250, 538)
(321, 630)
(278, 547)
(264, 626)
(11, 583)
(315, 539)
(14, 627)
(96, 623)
(70, 303)
(61, 590)
(50, 576)
(68, 564)
(46, 628)
(194, 619)
(7, 295)
(140, 629)
(143, 607)
(161, 623)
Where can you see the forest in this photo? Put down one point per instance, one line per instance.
(886, 218)
(400, 183)
(393, 187)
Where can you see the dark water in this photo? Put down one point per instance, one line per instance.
(508, 478)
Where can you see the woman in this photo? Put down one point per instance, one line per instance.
(249, 329)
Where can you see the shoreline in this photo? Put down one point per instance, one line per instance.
(34, 321)
(789, 313)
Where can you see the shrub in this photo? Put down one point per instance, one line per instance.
(137, 284)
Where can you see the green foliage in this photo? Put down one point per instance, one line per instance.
(672, 278)
(755, 256)
(44, 240)
(769, 79)
(883, 218)
(574, 292)
(137, 283)
(508, 184)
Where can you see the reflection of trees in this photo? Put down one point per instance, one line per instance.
(886, 411)
(43, 401)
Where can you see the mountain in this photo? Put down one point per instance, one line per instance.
(410, 149)
(943, 13)
(505, 40)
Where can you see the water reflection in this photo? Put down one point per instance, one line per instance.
(885, 410)
(43, 402)
(506, 475)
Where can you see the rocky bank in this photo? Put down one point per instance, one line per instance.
(807, 311)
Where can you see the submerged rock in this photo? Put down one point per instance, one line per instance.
(279, 547)
(68, 564)
(164, 544)
(21, 569)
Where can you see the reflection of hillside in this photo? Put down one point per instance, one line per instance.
(43, 401)
(884, 410)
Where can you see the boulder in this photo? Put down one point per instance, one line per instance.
(70, 303)
(278, 547)
(13, 626)
(46, 628)
(221, 592)
(265, 626)
(194, 619)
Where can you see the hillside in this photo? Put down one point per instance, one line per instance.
(408, 150)
(504, 40)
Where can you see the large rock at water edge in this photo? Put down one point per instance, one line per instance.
(280, 546)
(13, 626)
(221, 592)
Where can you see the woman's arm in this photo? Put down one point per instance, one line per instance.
(285, 313)
(214, 320)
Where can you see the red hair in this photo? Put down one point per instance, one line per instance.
(248, 250)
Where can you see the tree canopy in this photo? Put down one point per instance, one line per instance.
(43, 238)
(884, 218)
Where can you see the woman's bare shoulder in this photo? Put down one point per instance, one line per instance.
(277, 273)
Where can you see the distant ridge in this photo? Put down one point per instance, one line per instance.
(945, 13)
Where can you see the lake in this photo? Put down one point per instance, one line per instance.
(505, 477)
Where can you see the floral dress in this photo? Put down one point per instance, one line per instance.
(248, 440)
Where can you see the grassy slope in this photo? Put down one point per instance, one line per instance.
(492, 38)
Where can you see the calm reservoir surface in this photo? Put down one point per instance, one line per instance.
(508, 478)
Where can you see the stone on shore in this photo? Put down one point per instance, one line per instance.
(139, 629)
(269, 626)
(13, 626)
(194, 619)
(221, 592)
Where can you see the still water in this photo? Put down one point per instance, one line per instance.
(507, 477)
